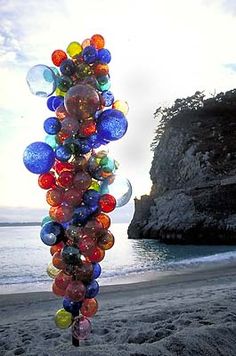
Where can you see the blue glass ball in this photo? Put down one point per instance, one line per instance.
(57, 101)
(54, 101)
(108, 98)
(91, 198)
(112, 125)
(92, 289)
(38, 157)
(49, 102)
(52, 125)
(71, 307)
(63, 153)
(67, 67)
(52, 233)
(89, 54)
(104, 56)
(84, 146)
(81, 215)
(96, 270)
(41, 80)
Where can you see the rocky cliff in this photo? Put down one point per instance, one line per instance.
(193, 196)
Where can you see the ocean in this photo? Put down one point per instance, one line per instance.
(24, 258)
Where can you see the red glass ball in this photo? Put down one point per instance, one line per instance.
(63, 166)
(65, 179)
(62, 280)
(58, 56)
(73, 197)
(47, 180)
(76, 291)
(86, 245)
(97, 255)
(107, 203)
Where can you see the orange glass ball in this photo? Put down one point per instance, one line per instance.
(57, 291)
(101, 69)
(56, 248)
(106, 241)
(97, 41)
(89, 307)
(57, 261)
(54, 197)
(97, 255)
(104, 220)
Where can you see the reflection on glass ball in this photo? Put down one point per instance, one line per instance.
(119, 187)
(41, 80)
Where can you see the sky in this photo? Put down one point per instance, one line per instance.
(161, 50)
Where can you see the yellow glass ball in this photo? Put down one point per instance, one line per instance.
(52, 271)
(60, 92)
(94, 185)
(121, 106)
(63, 319)
(74, 48)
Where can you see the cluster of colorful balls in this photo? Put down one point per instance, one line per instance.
(79, 178)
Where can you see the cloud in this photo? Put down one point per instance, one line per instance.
(161, 50)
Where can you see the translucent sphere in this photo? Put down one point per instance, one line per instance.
(41, 80)
(89, 307)
(121, 106)
(106, 241)
(81, 328)
(71, 307)
(62, 280)
(52, 125)
(112, 125)
(119, 187)
(92, 289)
(74, 48)
(76, 291)
(38, 157)
(63, 319)
(52, 271)
(96, 270)
(97, 41)
(82, 101)
(52, 233)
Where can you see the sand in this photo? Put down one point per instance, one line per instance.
(182, 313)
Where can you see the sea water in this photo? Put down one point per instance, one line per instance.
(24, 258)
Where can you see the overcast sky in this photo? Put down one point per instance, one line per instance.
(161, 50)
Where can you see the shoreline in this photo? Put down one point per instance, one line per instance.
(125, 280)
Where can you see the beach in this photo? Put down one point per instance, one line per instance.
(189, 312)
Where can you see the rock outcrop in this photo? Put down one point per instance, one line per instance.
(193, 196)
